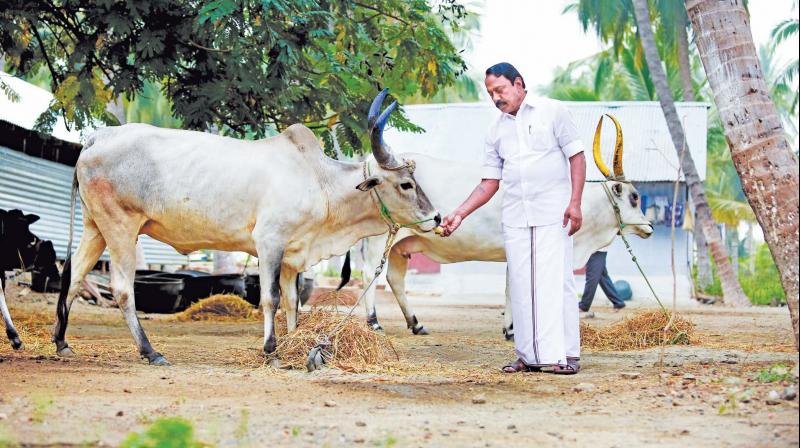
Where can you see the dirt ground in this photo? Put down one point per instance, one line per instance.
(448, 394)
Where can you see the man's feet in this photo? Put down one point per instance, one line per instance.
(587, 314)
(562, 369)
(575, 363)
(517, 366)
(617, 309)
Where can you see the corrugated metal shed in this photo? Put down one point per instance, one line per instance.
(457, 132)
(43, 188)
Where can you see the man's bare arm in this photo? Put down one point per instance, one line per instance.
(479, 196)
(577, 171)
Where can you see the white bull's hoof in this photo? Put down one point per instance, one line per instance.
(158, 360)
(420, 331)
(65, 352)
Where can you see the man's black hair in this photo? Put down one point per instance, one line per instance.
(506, 70)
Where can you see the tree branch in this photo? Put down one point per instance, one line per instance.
(196, 45)
(372, 8)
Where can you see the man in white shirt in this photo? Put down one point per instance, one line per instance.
(534, 148)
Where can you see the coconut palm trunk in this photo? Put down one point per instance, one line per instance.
(731, 289)
(763, 158)
(704, 277)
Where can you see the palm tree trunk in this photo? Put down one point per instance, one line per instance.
(704, 277)
(731, 289)
(684, 65)
(751, 250)
(734, 248)
(766, 164)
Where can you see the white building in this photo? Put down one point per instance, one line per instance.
(457, 132)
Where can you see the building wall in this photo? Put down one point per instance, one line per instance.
(653, 254)
(43, 188)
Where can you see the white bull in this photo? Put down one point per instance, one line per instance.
(479, 238)
(279, 199)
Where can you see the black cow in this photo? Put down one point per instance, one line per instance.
(19, 248)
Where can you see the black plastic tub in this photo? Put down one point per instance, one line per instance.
(200, 287)
(253, 289)
(157, 293)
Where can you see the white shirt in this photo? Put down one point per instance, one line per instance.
(530, 153)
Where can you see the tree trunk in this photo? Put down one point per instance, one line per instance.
(704, 277)
(731, 289)
(734, 238)
(766, 164)
(751, 250)
(684, 64)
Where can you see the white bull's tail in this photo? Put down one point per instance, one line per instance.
(72, 198)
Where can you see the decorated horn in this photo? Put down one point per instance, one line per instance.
(377, 121)
(618, 172)
(598, 158)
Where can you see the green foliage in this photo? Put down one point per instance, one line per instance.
(169, 432)
(762, 287)
(774, 374)
(247, 67)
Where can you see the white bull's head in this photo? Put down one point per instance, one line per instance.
(611, 207)
(619, 191)
(396, 192)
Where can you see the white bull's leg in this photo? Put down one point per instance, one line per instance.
(89, 251)
(508, 323)
(372, 258)
(122, 251)
(11, 332)
(288, 291)
(269, 270)
(396, 277)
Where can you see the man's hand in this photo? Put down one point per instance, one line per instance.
(450, 223)
(573, 216)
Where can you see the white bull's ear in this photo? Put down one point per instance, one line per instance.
(368, 184)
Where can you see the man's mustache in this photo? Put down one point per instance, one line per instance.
(500, 103)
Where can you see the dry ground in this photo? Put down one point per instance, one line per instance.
(700, 395)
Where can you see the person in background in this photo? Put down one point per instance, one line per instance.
(596, 273)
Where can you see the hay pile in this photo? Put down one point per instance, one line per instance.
(355, 346)
(642, 330)
(222, 307)
(330, 296)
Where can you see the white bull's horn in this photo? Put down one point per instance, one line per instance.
(598, 157)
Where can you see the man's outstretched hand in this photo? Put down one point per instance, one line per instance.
(450, 223)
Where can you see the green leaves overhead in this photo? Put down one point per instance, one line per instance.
(247, 67)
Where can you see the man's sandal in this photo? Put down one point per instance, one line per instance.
(516, 366)
(575, 363)
(562, 369)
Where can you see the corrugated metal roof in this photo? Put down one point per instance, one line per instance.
(43, 188)
(457, 132)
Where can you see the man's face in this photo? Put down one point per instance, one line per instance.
(506, 96)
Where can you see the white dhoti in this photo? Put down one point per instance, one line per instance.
(544, 303)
